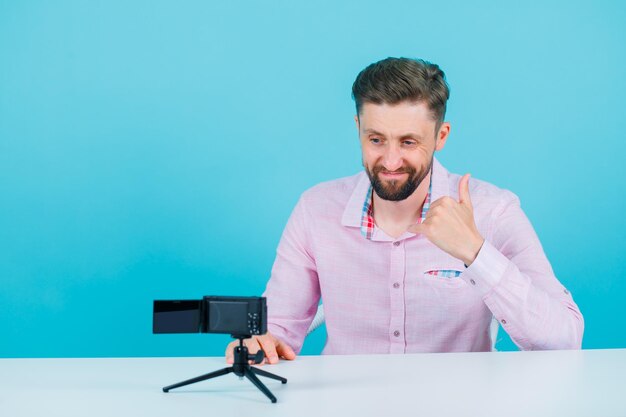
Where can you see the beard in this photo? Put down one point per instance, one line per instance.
(395, 190)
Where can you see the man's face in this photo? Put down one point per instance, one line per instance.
(398, 142)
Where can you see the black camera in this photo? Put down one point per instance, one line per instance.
(241, 317)
(237, 316)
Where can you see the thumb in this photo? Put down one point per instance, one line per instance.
(464, 195)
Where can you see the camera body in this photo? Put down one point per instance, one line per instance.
(237, 316)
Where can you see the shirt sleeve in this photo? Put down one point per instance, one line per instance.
(516, 282)
(293, 290)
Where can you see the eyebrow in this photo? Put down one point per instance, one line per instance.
(405, 136)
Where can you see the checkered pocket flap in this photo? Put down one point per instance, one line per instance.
(444, 273)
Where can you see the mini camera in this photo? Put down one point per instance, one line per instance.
(237, 316)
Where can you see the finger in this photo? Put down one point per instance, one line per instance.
(464, 195)
(253, 347)
(417, 228)
(284, 350)
(229, 352)
(269, 348)
(440, 201)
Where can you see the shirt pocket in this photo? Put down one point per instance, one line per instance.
(445, 275)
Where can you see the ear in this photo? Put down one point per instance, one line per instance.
(358, 128)
(442, 136)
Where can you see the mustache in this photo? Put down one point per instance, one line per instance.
(403, 170)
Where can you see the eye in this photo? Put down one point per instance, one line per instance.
(375, 141)
(409, 142)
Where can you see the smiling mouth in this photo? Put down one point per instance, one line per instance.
(392, 174)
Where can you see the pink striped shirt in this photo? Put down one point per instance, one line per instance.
(383, 295)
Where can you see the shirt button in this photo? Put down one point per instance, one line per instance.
(396, 243)
(472, 281)
(396, 285)
(565, 291)
(396, 333)
(503, 321)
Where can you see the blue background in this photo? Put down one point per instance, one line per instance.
(154, 149)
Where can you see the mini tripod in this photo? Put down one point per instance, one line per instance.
(241, 368)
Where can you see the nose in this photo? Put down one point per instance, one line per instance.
(392, 160)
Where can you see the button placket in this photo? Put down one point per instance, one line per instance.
(397, 271)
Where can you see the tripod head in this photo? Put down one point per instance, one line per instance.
(242, 356)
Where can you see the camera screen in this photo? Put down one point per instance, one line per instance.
(228, 317)
(182, 316)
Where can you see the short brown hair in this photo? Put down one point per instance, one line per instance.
(394, 80)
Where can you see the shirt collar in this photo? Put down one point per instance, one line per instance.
(359, 205)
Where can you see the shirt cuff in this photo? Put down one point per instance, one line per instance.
(487, 269)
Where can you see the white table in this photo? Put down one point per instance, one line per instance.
(503, 384)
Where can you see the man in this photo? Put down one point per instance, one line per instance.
(406, 256)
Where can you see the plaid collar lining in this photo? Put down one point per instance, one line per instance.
(367, 215)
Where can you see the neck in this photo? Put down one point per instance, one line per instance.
(395, 216)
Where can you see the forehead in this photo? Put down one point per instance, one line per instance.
(397, 119)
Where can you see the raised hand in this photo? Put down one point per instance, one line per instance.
(449, 224)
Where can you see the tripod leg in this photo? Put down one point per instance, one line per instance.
(199, 378)
(253, 378)
(268, 374)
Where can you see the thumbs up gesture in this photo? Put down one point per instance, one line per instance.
(450, 225)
